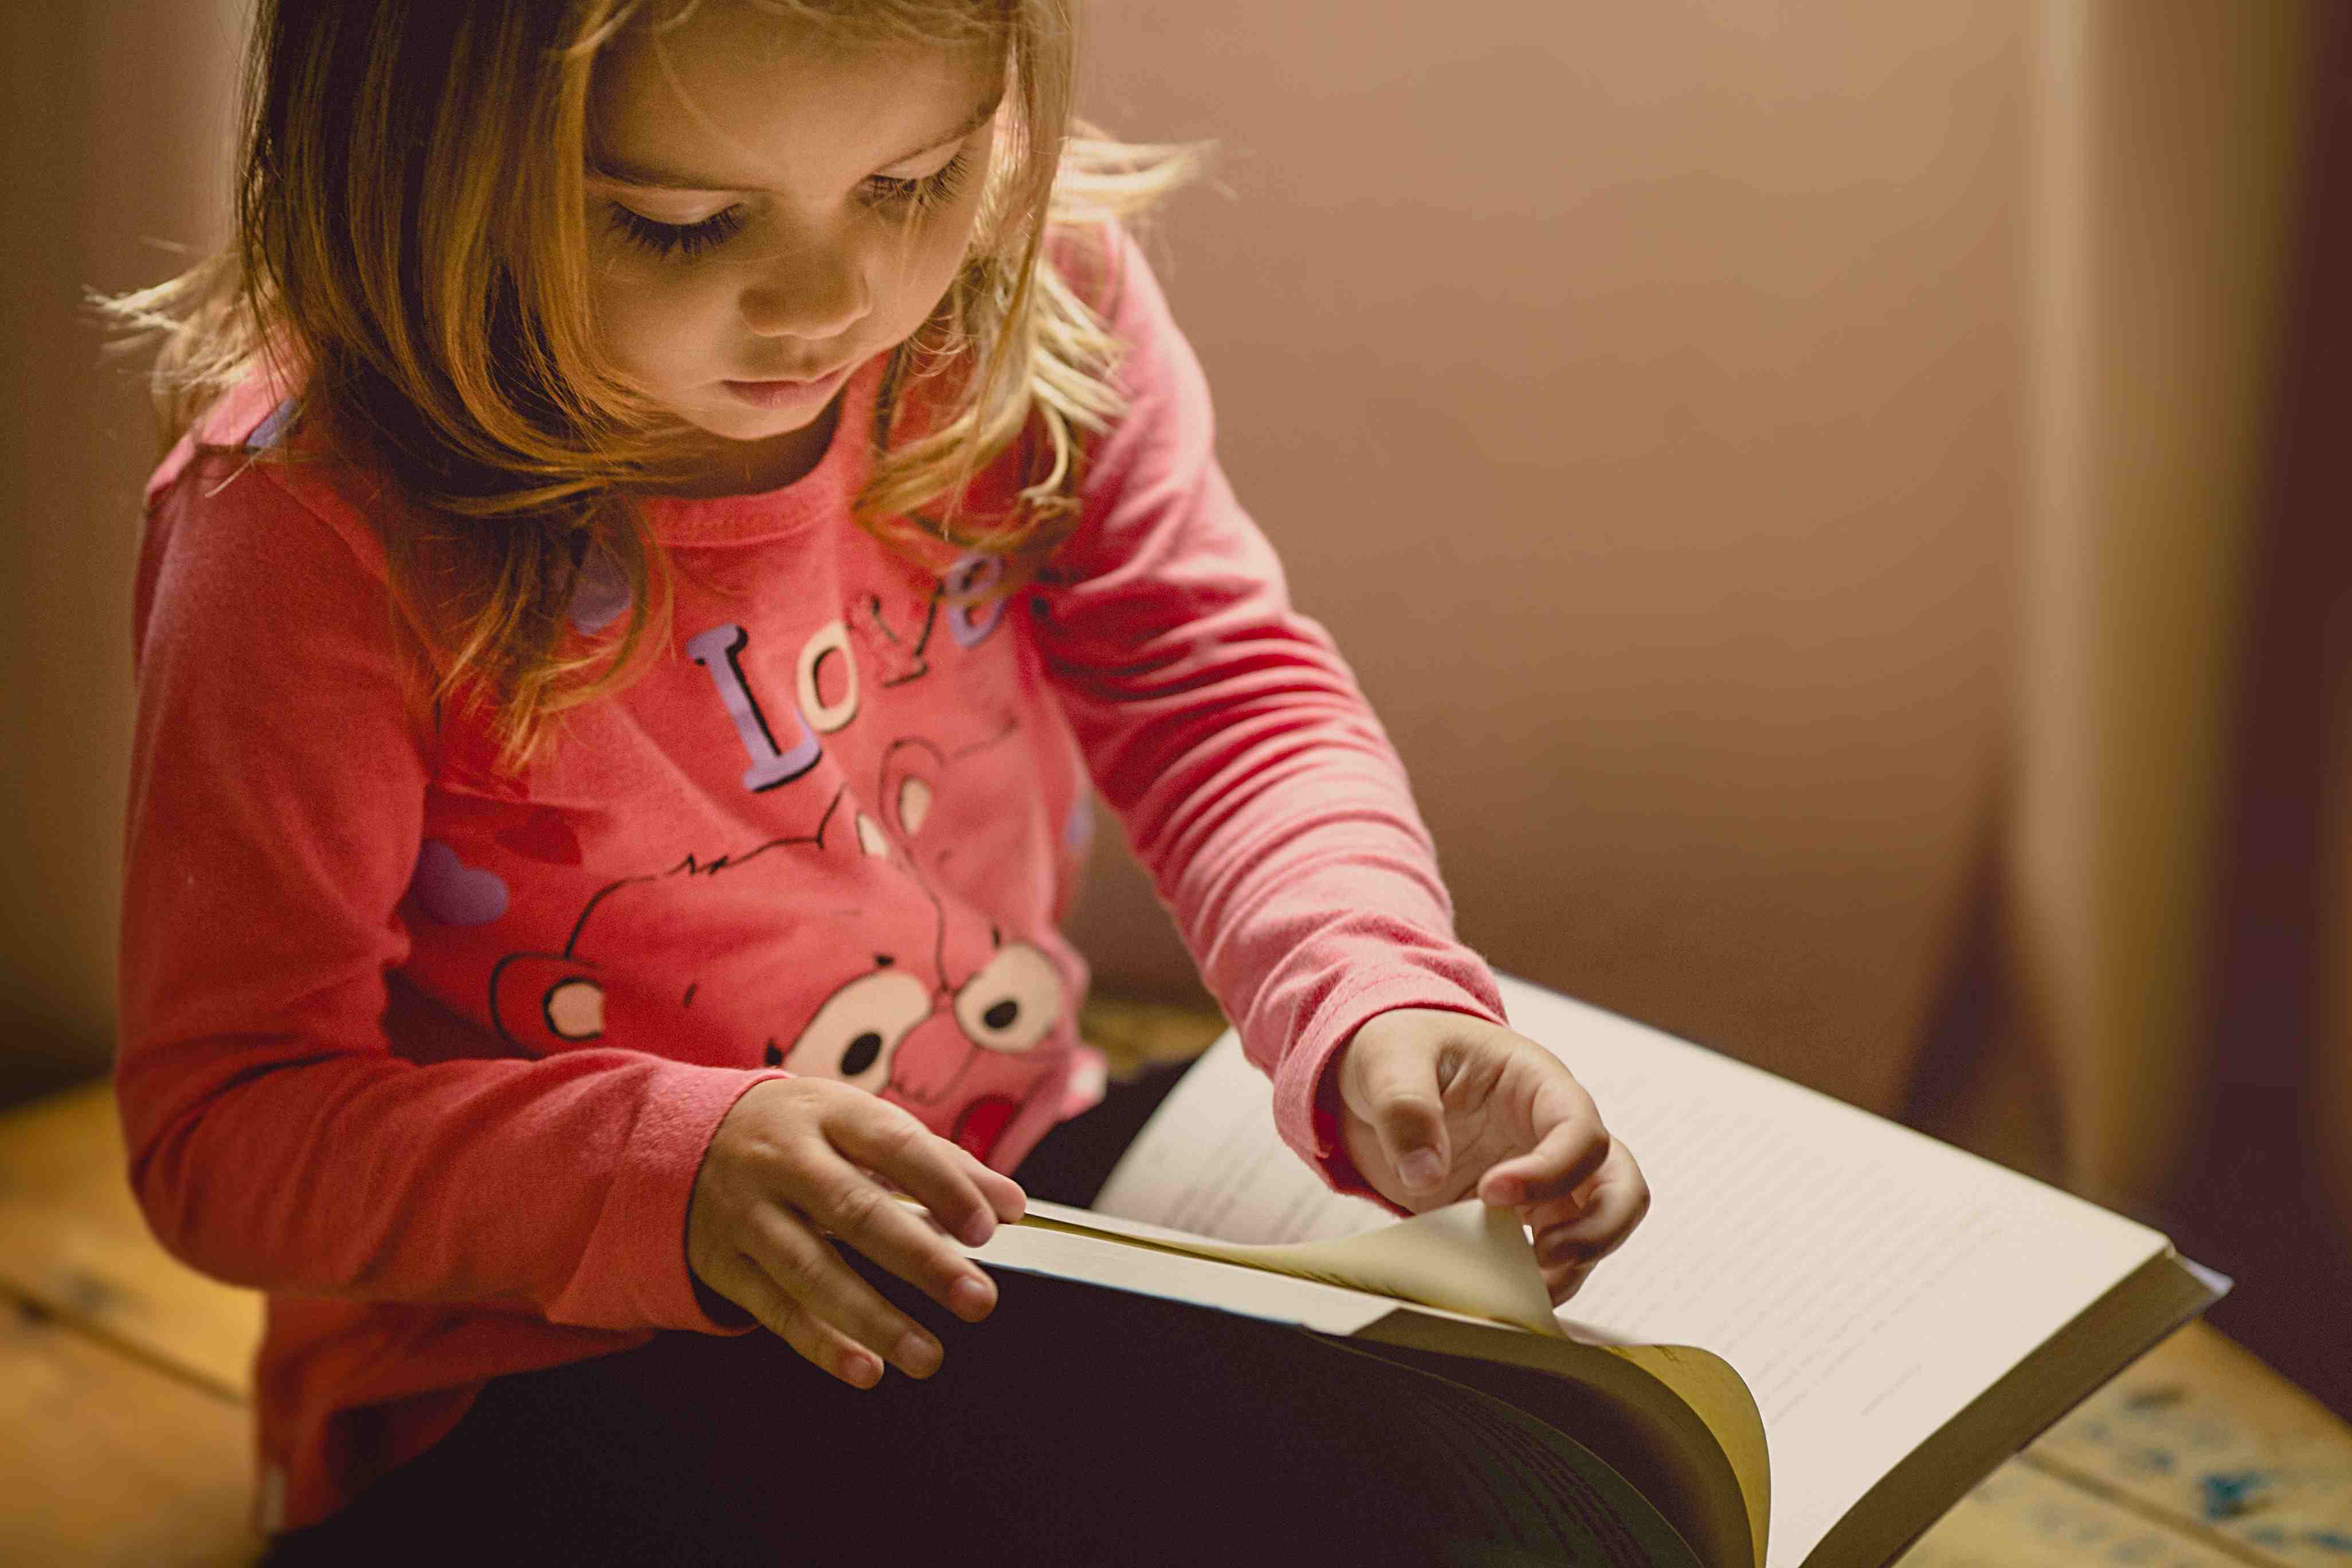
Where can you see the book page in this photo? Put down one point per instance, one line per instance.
(1499, 1477)
(1865, 1281)
(1466, 1258)
(1176, 1276)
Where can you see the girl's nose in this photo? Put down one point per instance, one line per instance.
(814, 291)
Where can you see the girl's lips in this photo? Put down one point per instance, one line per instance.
(782, 394)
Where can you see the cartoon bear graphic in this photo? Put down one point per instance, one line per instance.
(923, 1000)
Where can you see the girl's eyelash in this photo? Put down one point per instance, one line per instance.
(687, 240)
(921, 195)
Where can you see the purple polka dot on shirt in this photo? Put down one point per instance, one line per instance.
(453, 892)
(599, 596)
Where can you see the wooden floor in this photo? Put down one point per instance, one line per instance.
(123, 1378)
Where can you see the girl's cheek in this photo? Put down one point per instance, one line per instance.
(651, 324)
(930, 266)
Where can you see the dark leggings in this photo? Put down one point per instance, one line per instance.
(1126, 1443)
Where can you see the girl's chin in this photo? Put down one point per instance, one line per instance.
(743, 423)
(767, 412)
(746, 450)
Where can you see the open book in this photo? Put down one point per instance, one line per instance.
(1827, 1329)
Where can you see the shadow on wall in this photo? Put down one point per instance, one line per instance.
(2268, 1193)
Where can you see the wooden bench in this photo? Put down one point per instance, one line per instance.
(125, 1435)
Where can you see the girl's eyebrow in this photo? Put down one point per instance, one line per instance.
(648, 176)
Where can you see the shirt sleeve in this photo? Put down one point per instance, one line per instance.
(275, 1138)
(1252, 778)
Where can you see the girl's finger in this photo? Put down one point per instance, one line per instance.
(1616, 1206)
(1545, 1218)
(1566, 1279)
(1002, 1191)
(854, 1206)
(743, 1281)
(1570, 1152)
(1570, 1142)
(806, 1269)
(908, 1155)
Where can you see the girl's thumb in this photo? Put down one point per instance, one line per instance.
(1421, 1169)
(1411, 1119)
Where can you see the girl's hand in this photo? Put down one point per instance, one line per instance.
(799, 1157)
(1433, 1106)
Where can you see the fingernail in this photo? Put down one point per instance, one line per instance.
(865, 1371)
(970, 1298)
(978, 1229)
(918, 1356)
(1422, 1168)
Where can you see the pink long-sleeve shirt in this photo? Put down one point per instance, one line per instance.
(431, 1054)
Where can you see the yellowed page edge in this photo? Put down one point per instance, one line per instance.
(1716, 1396)
(1466, 1257)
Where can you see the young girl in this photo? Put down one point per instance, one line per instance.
(677, 501)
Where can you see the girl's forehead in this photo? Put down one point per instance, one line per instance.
(740, 98)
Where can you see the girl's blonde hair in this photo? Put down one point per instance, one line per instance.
(411, 251)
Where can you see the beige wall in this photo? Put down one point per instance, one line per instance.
(115, 123)
(1636, 393)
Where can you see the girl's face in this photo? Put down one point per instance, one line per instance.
(767, 210)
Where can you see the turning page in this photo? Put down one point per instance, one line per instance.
(1464, 1258)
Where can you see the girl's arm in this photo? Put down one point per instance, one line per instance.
(1275, 820)
(1252, 778)
(275, 1140)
